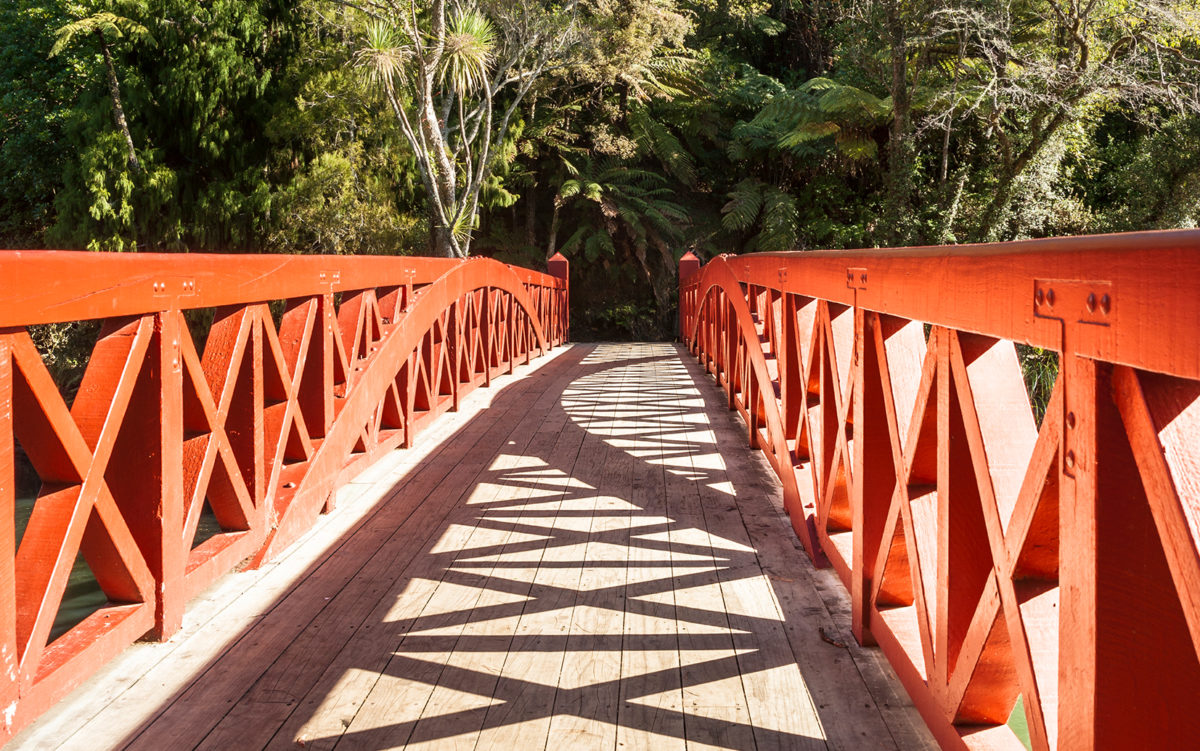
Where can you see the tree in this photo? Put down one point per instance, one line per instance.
(105, 27)
(454, 77)
(34, 112)
(632, 214)
(1031, 68)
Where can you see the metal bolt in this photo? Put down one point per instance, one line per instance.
(863, 278)
(1105, 304)
(1040, 296)
(1050, 297)
(1091, 302)
(1070, 419)
(1070, 460)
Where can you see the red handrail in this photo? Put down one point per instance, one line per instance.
(313, 367)
(990, 558)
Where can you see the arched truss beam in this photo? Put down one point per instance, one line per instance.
(742, 368)
(395, 352)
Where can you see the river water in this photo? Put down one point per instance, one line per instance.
(83, 595)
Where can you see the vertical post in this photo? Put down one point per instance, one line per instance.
(791, 389)
(8, 551)
(1077, 556)
(875, 473)
(689, 264)
(1126, 657)
(327, 332)
(487, 333)
(560, 268)
(454, 335)
(168, 552)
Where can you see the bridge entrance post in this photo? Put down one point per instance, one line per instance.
(689, 264)
(560, 268)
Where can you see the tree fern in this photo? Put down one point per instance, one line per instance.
(663, 144)
(745, 204)
(779, 222)
(109, 25)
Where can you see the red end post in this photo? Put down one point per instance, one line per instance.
(559, 267)
(689, 264)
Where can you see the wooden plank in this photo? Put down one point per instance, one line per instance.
(651, 709)
(354, 669)
(778, 700)
(393, 705)
(527, 684)
(585, 703)
(714, 698)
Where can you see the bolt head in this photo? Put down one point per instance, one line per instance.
(1050, 297)
(1070, 419)
(1105, 304)
(1091, 302)
(1070, 460)
(1040, 296)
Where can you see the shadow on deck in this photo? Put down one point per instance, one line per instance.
(574, 565)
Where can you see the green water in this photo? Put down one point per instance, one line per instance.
(1018, 723)
(83, 595)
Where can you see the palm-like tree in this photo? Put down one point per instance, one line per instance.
(442, 72)
(106, 27)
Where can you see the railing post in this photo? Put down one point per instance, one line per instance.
(8, 548)
(149, 487)
(874, 471)
(689, 264)
(560, 268)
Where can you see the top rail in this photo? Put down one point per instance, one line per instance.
(38, 286)
(244, 390)
(1151, 278)
(998, 561)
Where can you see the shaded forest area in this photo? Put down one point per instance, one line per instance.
(621, 133)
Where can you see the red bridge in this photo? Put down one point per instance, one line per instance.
(276, 512)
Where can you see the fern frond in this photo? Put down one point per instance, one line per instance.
(663, 144)
(745, 204)
(807, 132)
(780, 221)
(109, 25)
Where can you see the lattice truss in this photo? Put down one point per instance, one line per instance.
(992, 559)
(254, 412)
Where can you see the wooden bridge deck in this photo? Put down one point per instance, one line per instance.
(567, 563)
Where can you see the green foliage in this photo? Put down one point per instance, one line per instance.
(470, 47)
(755, 203)
(103, 23)
(821, 108)
(35, 109)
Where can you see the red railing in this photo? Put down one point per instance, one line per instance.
(250, 385)
(991, 558)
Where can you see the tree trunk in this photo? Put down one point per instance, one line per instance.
(901, 157)
(118, 110)
(440, 240)
(550, 251)
(989, 227)
(531, 216)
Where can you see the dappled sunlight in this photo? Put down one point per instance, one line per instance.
(578, 592)
(581, 569)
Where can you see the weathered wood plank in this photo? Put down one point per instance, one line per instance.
(651, 709)
(588, 686)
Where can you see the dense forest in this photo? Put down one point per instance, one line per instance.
(619, 132)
